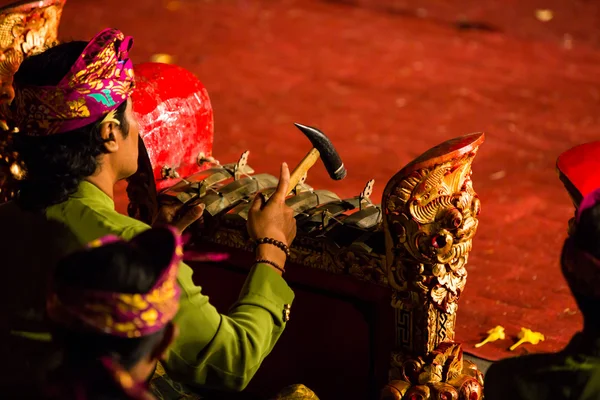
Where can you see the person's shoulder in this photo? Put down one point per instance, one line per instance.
(117, 223)
(88, 220)
(125, 226)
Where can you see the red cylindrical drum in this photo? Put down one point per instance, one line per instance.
(176, 119)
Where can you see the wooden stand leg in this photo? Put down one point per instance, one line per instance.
(430, 219)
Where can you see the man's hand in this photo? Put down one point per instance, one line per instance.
(167, 216)
(273, 219)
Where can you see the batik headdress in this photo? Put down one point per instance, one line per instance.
(100, 80)
(580, 268)
(124, 314)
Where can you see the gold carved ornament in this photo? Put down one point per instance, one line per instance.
(443, 374)
(26, 28)
(430, 219)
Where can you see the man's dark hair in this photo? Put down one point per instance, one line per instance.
(115, 268)
(587, 238)
(56, 164)
(587, 233)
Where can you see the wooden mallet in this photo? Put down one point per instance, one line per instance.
(322, 148)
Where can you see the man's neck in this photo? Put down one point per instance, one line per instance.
(143, 371)
(103, 182)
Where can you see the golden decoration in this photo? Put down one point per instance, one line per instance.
(430, 211)
(441, 374)
(26, 28)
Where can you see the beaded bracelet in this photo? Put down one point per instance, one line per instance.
(275, 243)
(261, 261)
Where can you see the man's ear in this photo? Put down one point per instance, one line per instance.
(171, 333)
(107, 133)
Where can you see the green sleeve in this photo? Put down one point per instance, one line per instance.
(225, 351)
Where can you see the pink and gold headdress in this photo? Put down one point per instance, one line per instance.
(98, 83)
(124, 314)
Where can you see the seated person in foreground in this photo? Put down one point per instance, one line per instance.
(111, 307)
(77, 137)
(573, 373)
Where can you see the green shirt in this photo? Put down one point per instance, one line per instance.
(572, 374)
(212, 349)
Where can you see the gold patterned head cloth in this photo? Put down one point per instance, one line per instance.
(124, 314)
(98, 83)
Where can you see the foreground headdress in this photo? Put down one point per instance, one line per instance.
(98, 83)
(581, 269)
(124, 314)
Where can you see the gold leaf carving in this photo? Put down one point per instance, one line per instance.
(26, 29)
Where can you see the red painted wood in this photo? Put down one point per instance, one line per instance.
(175, 116)
(579, 170)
